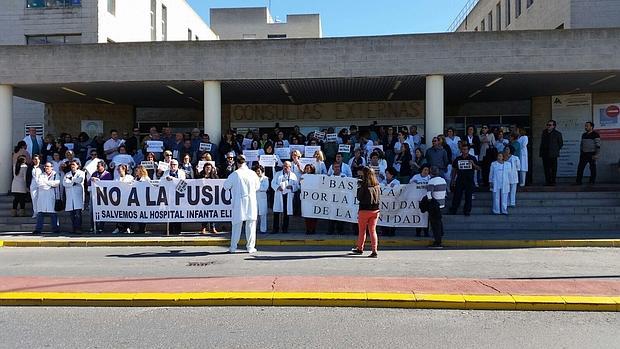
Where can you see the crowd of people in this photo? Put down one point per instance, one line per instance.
(58, 171)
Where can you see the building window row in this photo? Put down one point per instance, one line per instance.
(52, 3)
(53, 39)
(488, 24)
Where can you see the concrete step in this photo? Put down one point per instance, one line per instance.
(551, 210)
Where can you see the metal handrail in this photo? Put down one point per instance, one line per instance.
(461, 16)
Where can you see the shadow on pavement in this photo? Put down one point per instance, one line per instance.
(288, 258)
(168, 254)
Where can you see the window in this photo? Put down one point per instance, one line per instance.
(153, 20)
(490, 21)
(498, 14)
(529, 3)
(52, 3)
(189, 35)
(482, 26)
(517, 8)
(164, 23)
(276, 36)
(53, 39)
(112, 6)
(507, 13)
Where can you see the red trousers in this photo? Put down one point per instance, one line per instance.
(367, 219)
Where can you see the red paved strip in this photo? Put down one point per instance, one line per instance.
(312, 284)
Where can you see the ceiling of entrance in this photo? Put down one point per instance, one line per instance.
(458, 89)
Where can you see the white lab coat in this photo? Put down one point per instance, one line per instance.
(261, 195)
(278, 201)
(28, 141)
(243, 185)
(74, 190)
(523, 140)
(36, 172)
(47, 192)
(499, 178)
(514, 179)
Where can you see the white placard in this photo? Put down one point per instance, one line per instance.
(247, 143)
(310, 150)
(205, 147)
(69, 146)
(148, 165)
(319, 135)
(154, 146)
(331, 137)
(92, 166)
(122, 159)
(298, 147)
(283, 153)
(268, 160)
(163, 166)
(307, 161)
(344, 148)
(201, 165)
(251, 155)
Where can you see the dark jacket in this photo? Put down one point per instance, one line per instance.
(431, 206)
(475, 144)
(369, 198)
(550, 144)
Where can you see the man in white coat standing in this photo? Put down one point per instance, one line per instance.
(74, 193)
(243, 184)
(34, 143)
(499, 178)
(47, 193)
(285, 183)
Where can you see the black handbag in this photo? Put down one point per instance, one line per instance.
(59, 203)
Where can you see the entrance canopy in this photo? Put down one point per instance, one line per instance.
(459, 89)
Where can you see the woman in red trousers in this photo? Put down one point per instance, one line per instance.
(368, 196)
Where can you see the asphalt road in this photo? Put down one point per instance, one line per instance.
(253, 327)
(555, 263)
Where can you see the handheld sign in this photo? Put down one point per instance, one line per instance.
(298, 147)
(122, 159)
(250, 155)
(331, 137)
(307, 161)
(92, 166)
(205, 147)
(283, 153)
(163, 166)
(344, 148)
(268, 160)
(148, 165)
(319, 135)
(69, 146)
(154, 146)
(247, 143)
(310, 150)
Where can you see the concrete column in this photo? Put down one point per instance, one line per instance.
(213, 110)
(6, 137)
(434, 107)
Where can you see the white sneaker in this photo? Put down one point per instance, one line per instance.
(234, 250)
(116, 231)
(252, 250)
(129, 231)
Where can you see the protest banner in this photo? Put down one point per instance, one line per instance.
(154, 146)
(310, 150)
(283, 153)
(205, 147)
(251, 155)
(268, 160)
(344, 148)
(328, 197)
(192, 200)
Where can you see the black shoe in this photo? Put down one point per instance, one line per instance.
(435, 245)
(356, 251)
(36, 232)
(373, 255)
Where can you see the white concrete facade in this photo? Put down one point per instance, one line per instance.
(213, 110)
(257, 23)
(541, 14)
(434, 107)
(6, 144)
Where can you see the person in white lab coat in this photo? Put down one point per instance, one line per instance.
(34, 171)
(261, 197)
(284, 183)
(48, 184)
(243, 185)
(499, 179)
(74, 193)
(523, 156)
(514, 174)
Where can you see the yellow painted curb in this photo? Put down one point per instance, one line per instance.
(478, 244)
(316, 299)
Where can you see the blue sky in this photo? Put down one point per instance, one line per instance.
(361, 17)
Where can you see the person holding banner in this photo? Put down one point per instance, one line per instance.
(261, 197)
(74, 192)
(141, 175)
(357, 162)
(436, 189)
(123, 177)
(344, 168)
(392, 182)
(187, 167)
(208, 171)
(284, 183)
(100, 175)
(175, 174)
(320, 162)
(369, 197)
(243, 185)
(311, 222)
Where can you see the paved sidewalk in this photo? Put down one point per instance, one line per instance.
(401, 292)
